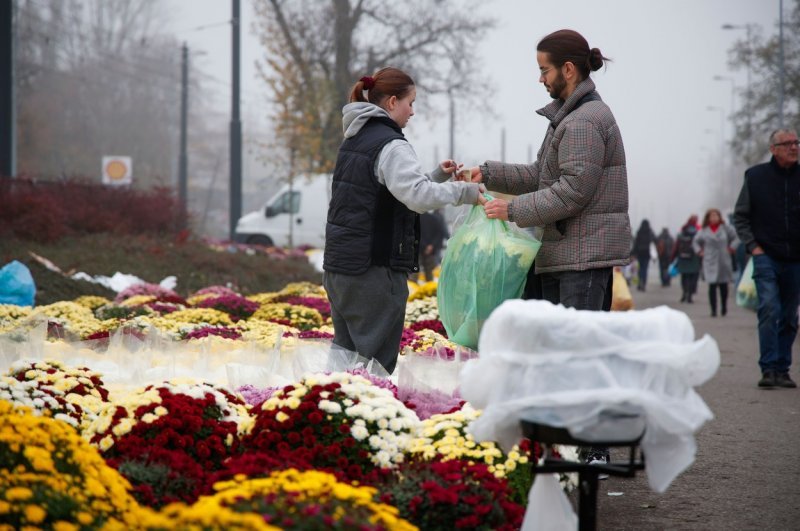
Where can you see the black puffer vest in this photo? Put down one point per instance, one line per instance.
(366, 224)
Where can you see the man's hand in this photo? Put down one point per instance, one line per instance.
(471, 175)
(496, 209)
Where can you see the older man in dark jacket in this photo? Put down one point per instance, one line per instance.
(767, 219)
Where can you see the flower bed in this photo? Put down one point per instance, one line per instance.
(340, 450)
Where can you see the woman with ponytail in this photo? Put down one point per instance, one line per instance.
(372, 233)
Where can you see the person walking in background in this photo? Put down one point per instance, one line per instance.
(688, 262)
(664, 243)
(433, 233)
(767, 219)
(716, 244)
(645, 237)
(372, 231)
(577, 189)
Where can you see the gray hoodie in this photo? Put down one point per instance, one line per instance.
(398, 168)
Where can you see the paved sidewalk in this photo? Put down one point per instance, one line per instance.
(746, 474)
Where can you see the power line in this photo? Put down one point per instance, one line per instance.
(204, 26)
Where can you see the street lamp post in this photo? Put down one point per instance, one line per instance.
(748, 96)
(722, 144)
(733, 102)
(782, 67)
(235, 128)
(733, 91)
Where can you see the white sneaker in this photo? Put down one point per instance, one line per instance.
(598, 460)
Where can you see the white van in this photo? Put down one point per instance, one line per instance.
(299, 210)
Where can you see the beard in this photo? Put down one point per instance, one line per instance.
(557, 87)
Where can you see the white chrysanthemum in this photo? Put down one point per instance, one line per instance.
(330, 407)
(130, 403)
(359, 433)
(376, 415)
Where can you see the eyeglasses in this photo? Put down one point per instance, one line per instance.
(544, 72)
(788, 143)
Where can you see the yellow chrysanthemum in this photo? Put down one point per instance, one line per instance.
(72, 470)
(427, 289)
(310, 485)
(12, 312)
(299, 316)
(446, 436)
(137, 300)
(92, 302)
(195, 299)
(75, 318)
(303, 289)
(263, 298)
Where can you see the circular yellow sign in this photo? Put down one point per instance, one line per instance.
(116, 170)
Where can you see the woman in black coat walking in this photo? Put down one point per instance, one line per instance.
(645, 237)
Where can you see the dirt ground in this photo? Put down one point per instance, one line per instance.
(746, 474)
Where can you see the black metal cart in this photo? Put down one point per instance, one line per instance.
(587, 474)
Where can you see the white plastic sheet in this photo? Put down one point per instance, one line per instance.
(120, 281)
(600, 375)
(548, 507)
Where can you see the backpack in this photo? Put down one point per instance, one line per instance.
(685, 250)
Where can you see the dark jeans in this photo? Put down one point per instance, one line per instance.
(582, 290)
(663, 269)
(644, 264)
(778, 288)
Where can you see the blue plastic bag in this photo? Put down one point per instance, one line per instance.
(486, 262)
(673, 269)
(16, 284)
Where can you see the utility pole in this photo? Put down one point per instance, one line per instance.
(503, 144)
(7, 162)
(782, 66)
(235, 130)
(182, 158)
(452, 153)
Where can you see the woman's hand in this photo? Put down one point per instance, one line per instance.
(496, 209)
(451, 167)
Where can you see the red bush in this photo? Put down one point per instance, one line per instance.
(45, 211)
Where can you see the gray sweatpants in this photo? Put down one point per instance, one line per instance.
(368, 312)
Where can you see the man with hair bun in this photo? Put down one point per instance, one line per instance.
(576, 190)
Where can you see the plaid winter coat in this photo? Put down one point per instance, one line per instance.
(577, 189)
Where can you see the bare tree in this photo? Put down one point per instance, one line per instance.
(757, 114)
(316, 50)
(96, 77)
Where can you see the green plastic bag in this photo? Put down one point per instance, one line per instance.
(746, 296)
(486, 262)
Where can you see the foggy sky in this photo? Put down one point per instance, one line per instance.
(659, 86)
